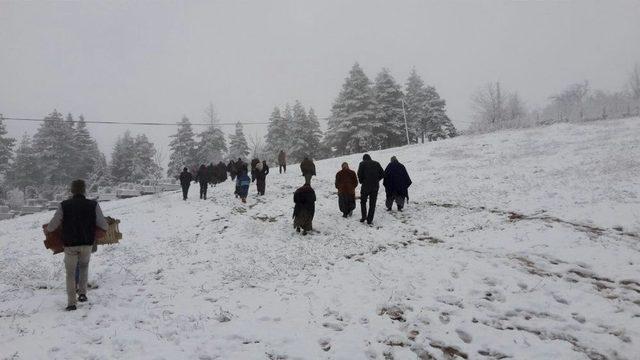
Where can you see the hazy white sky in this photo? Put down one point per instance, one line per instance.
(157, 61)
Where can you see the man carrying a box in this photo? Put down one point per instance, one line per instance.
(79, 217)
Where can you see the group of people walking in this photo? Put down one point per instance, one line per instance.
(79, 217)
(396, 182)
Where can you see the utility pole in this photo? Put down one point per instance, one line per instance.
(406, 127)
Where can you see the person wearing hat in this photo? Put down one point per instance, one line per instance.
(369, 175)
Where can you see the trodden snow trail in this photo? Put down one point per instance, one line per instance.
(221, 279)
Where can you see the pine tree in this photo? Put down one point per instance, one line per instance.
(144, 165)
(306, 141)
(53, 143)
(122, 167)
(6, 148)
(416, 106)
(212, 146)
(182, 147)
(352, 118)
(238, 147)
(277, 137)
(437, 124)
(25, 171)
(390, 128)
(89, 155)
(287, 123)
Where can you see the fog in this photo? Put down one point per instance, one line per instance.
(158, 61)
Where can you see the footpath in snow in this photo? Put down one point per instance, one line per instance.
(521, 244)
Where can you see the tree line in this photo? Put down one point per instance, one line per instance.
(496, 108)
(62, 149)
(365, 116)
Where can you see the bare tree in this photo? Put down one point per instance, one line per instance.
(159, 159)
(570, 101)
(257, 147)
(488, 104)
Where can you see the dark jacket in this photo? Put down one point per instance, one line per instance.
(305, 200)
(211, 173)
(78, 221)
(185, 178)
(203, 175)
(262, 174)
(396, 179)
(369, 174)
(282, 158)
(346, 182)
(308, 167)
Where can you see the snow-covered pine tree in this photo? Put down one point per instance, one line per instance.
(144, 165)
(277, 137)
(437, 124)
(416, 106)
(122, 167)
(287, 123)
(307, 134)
(6, 149)
(389, 130)
(238, 147)
(89, 155)
(182, 147)
(350, 126)
(54, 146)
(212, 145)
(24, 170)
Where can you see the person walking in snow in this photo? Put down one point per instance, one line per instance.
(254, 162)
(396, 184)
(282, 161)
(242, 184)
(346, 183)
(231, 169)
(369, 174)
(185, 182)
(79, 218)
(262, 170)
(308, 169)
(202, 177)
(305, 206)
(211, 176)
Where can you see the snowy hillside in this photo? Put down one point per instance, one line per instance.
(521, 244)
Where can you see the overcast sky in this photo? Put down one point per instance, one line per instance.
(158, 61)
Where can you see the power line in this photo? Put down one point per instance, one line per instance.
(131, 123)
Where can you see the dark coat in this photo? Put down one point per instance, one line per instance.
(262, 174)
(220, 172)
(282, 158)
(346, 182)
(185, 178)
(211, 174)
(396, 179)
(78, 221)
(202, 175)
(369, 174)
(308, 167)
(305, 206)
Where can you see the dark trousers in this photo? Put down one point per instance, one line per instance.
(185, 191)
(261, 184)
(283, 167)
(203, 190)
(346, 203)
(391, 197)
(372, 196)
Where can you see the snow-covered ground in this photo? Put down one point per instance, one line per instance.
(521, 244)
